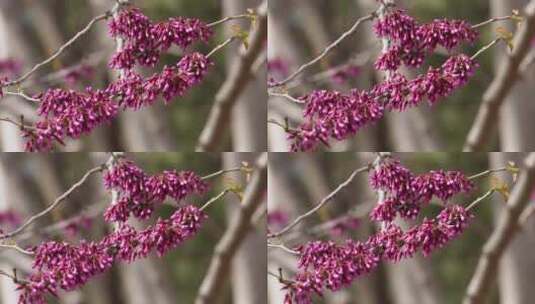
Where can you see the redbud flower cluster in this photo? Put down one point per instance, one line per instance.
(140, 193)
(70, 114)
(60, 265)
(406, 193)
(410, 42)
(335, 115)
(326, 265)
(145, 41)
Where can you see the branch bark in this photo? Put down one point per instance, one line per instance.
(502, 236)
(502, 84)
(234, 235)
(236, 83)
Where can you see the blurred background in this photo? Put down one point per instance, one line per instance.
(299, 30)
(29, 183)
(297, 182)
(31, 30)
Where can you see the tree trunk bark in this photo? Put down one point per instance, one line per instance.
(248, 270)
(516, 134)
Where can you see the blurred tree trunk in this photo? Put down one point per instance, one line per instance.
(282, 197)
(280, 46)
(516, 125)
(249, 265)
(12, 197)
(249, 114)
(12, 45)
(248, 271)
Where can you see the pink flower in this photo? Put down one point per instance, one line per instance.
(146, 41)
(332, 114)
(411, 42)
(59, 265)
(325, 265)
(140, 193)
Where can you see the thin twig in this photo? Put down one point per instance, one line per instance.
(22, 95)
(214, 199)
(359, 59)
(505, 231)
(359, 212)
(58, 226)
(479, 199)
(486, 47)
(230, 242)
(55, 204)
(324, 201)
(220, 46)
(487, 172)
(501, 86)
(282, 247)
(22, 126)
(237, 81)
(91, 60)
(14, 277)
(17, 248)
(274, 122)
(230, 18)
(60, 50)
(221, 172)
(495, 19)
(287, 96)
(327, 50)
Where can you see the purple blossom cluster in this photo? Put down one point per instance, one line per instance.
(68, 113)
(327, 265)
(59, 265)
(332, 114)
(145, 41)
(140, 193)
(133, 91)
(410, 42)
(406, 193)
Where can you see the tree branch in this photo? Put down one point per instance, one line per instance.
(327, 50)
(502, 236)
(234, 235)
(62, 48)
(324, 201)
(502, 84)
(55, 204)
(235, 84)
